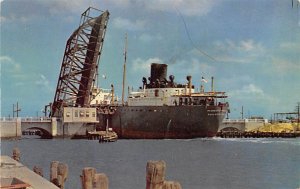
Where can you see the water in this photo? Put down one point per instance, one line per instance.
(197, 163)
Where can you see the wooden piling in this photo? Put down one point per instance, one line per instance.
(155, 174)
(87, 177)
(58, 173)
(38, 170)
(171, 185)
(16, 154)
(100, 181)
(62, 174)
(92, 180)
(53, 171)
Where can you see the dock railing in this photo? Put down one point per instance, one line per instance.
(25, 119)
(8, 119)
(245, 121)
(36, 119)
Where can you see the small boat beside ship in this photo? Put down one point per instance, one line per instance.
(163, 109)
(103, 136)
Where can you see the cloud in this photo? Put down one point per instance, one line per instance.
(139, 68)
(19, 11)
(284, 66)
(19, 84)
(28, 10)
(34, 9)
(244, 51)
(250, 89)
(232, 81)
(5, 59)
(61, 6)
(12, 71)
(15, 74)
(250, 92)
(10, 66)
(149, 38)
(15, 18)
(143, 66)
(253, 99)
(192, 67)
(240, 46)
(183, 67)
(42, 81)
(290, 46)
(120, 3)
(2, 19)
(284, 60)
(123, 23)
(248, 45)
(186, 7)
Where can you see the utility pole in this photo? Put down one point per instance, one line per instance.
(298, 115)
(46, 109)
(17, 110)
(242, 113)
(294, 4)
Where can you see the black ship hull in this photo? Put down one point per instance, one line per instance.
(162, 122)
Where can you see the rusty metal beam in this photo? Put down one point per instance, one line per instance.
(80, 62)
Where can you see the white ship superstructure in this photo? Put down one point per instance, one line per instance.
(157, 96)
(102, 96)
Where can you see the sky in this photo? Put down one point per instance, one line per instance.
(250, 47)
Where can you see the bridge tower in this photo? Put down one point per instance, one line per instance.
(80, 62)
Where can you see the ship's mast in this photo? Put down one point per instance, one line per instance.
(212, 84)
(124, 68)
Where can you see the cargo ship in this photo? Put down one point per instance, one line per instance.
(163, 109)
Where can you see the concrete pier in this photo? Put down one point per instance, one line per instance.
(15, 174)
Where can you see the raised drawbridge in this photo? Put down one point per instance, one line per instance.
(80, 62)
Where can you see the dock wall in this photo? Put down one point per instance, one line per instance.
(243, 124)
(74, 129)
(253, 125)
(52, 127)
(10, 128)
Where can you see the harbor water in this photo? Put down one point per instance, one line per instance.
(195, 163)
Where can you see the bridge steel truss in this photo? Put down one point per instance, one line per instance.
(80, 62)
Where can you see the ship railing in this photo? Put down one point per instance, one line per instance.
(245, 121)
(105, 90)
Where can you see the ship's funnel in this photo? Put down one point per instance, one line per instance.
(158, 72)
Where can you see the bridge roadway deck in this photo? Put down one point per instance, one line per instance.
(50, 127)
(13, 127)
